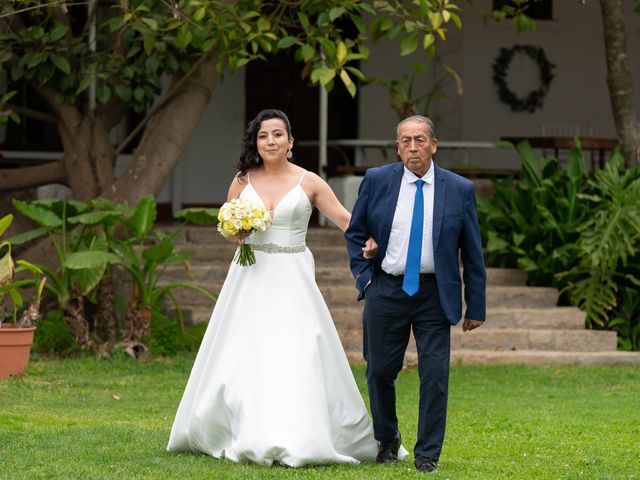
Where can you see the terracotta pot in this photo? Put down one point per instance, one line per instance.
(15, 347)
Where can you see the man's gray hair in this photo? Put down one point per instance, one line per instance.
(421, 119)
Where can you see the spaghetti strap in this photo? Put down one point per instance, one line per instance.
(302, 177)
(248, 178)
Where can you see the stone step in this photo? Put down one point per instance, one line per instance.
(216, 271)
(498, 296)
(347, 318)
(511, 340)
(526, 357)
(562, 318)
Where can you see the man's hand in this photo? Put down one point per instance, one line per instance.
(370, 248)
(470, 324)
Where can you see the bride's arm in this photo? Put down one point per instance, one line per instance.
(325, 200)
(236, 187)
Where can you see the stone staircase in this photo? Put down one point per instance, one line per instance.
(523, 323)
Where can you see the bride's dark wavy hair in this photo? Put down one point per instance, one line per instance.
(249, 157)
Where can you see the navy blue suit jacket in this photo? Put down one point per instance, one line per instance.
(456, 234)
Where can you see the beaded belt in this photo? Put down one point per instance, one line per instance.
(273, 248)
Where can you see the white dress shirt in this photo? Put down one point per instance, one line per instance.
(395, 259)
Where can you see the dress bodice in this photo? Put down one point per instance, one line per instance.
(289, 219)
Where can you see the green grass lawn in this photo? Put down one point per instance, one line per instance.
(88, 418)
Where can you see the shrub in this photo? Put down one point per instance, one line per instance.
(54, 336)
(579, 234)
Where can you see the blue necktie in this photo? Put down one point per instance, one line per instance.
(411, 280)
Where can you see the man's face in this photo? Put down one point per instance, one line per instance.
(416, 147)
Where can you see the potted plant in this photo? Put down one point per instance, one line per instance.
(16, 336)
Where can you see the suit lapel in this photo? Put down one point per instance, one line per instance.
(389, 209)
(438, 205)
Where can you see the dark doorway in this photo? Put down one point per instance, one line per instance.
(536, 9)
(278, 83)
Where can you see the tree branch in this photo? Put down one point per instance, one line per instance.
(28, 177)
(68, 115)
(31, 113)
(162, 102)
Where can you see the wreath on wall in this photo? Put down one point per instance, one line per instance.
(535, 98)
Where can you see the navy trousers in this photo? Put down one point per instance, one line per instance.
(389, 316)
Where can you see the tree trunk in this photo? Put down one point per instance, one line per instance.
(619, 80)
(74, 317)
(106, 315)
(166, 137)
(137, 324)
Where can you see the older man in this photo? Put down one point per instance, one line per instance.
(424, 219)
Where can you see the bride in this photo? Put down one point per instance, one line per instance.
(271, 382)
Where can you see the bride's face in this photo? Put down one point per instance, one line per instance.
(273, 141)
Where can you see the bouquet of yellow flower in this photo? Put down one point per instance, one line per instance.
(242, 215)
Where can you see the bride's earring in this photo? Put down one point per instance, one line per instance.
(257, 158)
(289, 154)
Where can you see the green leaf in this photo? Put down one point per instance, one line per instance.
(263, 24)
(335, 12)
(41, 216)
(6, 268)
(87, 279)
(286, 42)
(355, 72)
(149, 42)
(307, 52)
(138, 94)
(25, 237)
(351, 88)
(179, 257)
(341, 52)
(323, 19)
(456, 20)
(358, 22)
(158, 253)
(144, 217)
(304, 20)
(89, 259)
(125, 252)
(325, 75)
(408, 44)
(61, 62)
(85, 81)
(59, 31)
(576, 168)
(428, 40)
(199, 15)
(93, 218)
(199, 216)
(124, 92)
(104, 93)
(16, 298)
(5, 223)
(151, 23)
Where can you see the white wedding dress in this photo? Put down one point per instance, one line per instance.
(271, 381)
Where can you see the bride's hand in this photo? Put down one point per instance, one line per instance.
(370, 248)
(239, 237)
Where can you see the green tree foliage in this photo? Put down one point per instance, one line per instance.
(165, 59)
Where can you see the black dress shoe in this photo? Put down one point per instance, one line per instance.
(425, 464)
(388, 452)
